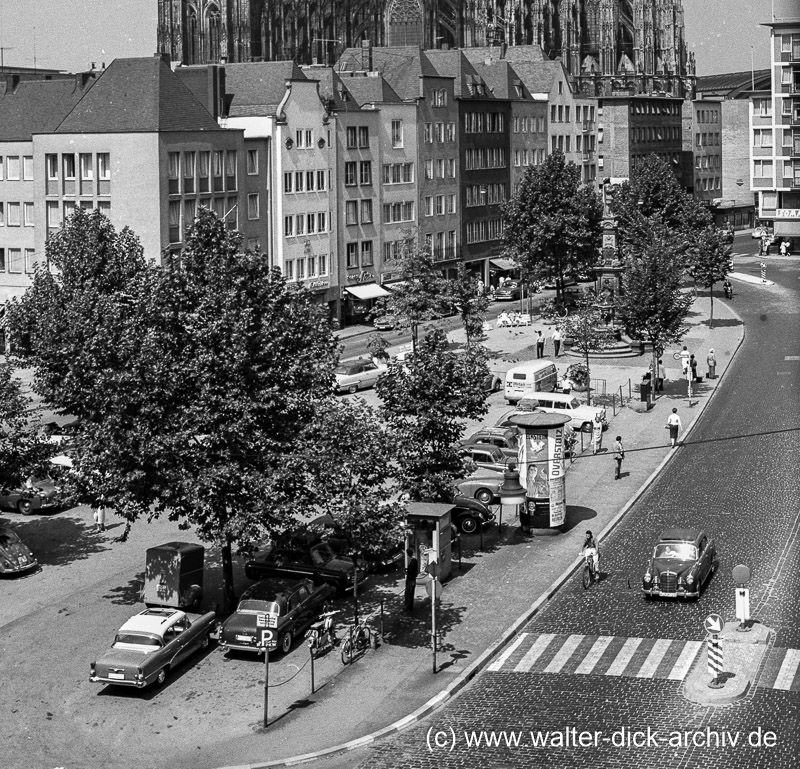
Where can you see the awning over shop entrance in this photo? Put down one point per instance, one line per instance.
(503, 264)
(367, 291)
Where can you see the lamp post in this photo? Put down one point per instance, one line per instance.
(512, 492)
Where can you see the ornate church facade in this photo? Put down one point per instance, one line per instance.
(607, 46)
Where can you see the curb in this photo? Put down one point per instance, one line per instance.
(483, 659)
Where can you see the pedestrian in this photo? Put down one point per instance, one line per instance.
(619, 455)
(693, 367)
(412, 572)
(685, 356)
(765, 245)
(711, 359)
(674, 426)
(660, 376)
(597, 434)
(99, 516)
(556, 341)
(539, 345)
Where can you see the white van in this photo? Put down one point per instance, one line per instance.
(531, 377)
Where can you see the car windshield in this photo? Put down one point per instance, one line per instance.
(345, 370)
(573, 404)
(683, 551)
(7, 538)
(136, 639)
(321, 553)
(259, 607)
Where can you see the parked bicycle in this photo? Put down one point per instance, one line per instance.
(322, 634)
(357, 640)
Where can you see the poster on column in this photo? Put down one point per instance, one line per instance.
(534, 464)
(556, 476)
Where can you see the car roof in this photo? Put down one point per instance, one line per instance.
(482, 446)
(680, 535)
(274, 589)
(153, 620)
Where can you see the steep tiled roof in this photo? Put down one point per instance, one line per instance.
(499, 77)
(259, 87)
(138, 95)
(369, 90)
(538, 76)
(402, 66)
(453, 63)
(38, 106)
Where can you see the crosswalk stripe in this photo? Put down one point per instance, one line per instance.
(788, 670)
(624, 657)
(533, 654)
(501, 660)
(684, 662)
(563, 654)
(649, 666)
(593, 656)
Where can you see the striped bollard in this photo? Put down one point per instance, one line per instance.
(715, 661)
(763, 272)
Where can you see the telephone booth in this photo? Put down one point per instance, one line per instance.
(429, 534)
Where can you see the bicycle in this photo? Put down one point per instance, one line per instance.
(322, 634)
(589, 570)
(357, 640)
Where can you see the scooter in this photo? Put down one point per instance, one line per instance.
(728, 291)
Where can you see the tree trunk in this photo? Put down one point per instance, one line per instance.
(228, 593)
(711, 317)
(588, 378)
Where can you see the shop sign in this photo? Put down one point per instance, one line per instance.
(318, 285)
(360, 277)
(787, 213)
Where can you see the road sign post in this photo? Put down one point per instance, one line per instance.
(714, 625)
(741, 576)
(764, 271)
(434, 589)
(266, 623)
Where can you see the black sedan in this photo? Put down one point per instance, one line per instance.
(15, 556)
(297, 559)
(281, 608)
(682, 562)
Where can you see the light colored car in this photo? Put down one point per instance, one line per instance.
(38, 493)
(486, 456)
(483, 486)
(760, 232)
(149, 645)
(582, 416)
(352, 376)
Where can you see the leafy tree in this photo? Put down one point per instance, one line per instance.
(710, 260)
(465, 294)
(652, 305)
(424, 404)
(419, 294)
(552, 224)
(587, 330)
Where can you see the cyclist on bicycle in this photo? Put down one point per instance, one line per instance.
(590, 550)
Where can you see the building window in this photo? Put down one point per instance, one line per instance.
(300, 224)
(762, 169)
(27, 214)
(351, 212)
(397, 134)
(351, 137)
(252, 162)
(321, 185)
(2, 260)
(189, 159)
(322, 264)
(428, 133)
(288, 268)
(350, 173)
(366, 253)
(15, 260)
(288, 182)
(288, 226)
(429, 205)
(352, 256)
(299, 181)
(216, 170)
(304, 139)
(2, 168)
(440, 205)
(27, 167)
(322, 221)
(230, 169)
(429, 169)
(363, 137)
(13, 215)
(252, 206)
(439, 132)
(762, 137)
(30, 260)
(365, 172)
(51, 163)
(174, 214)
(13, 167)
(366, 212)
(203, 171)
(451, 204)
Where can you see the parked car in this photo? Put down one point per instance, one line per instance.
(486, 456)
(493, 382)
(570, 438)
(149, 645)
(509, 291)
(38, 493)
(295, 558)
(469, 515)
(356, 375)
(15, 556)
(483, 486)
(294, 603)
(380, 560)
(682, 562)
(761, 231)
(390, 322)
(505, 438)
(582, 416)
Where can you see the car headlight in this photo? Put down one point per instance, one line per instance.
(690, 579)
(647, 576)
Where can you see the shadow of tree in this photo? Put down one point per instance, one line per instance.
(726, 322)
(128, 594)
(58, 540)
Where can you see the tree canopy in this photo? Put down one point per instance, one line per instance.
(552, 224)
(710, 260)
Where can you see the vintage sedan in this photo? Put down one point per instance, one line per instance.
(509, 291)
(505, 438)
(15, 557)
(283, 608)
(38, 493)
(352, 376)
(487, 456)
(469, 515)
(298, 558)
(378, 559)
(682, 562)
(483, 485)
(149, 645)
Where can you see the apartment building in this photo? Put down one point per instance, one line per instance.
(702, 143)
(775, 137)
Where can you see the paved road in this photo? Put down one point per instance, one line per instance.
(605, 660)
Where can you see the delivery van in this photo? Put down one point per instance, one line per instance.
(527, 378)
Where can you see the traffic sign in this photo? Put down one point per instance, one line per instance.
(741, 574)
(269, 639)
(714, 624)
(432, 568)
(266, 620)
(437, 587)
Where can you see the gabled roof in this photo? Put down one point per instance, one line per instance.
(369, 90)
(500, 77)
(259, 87)
(453, 63)
(539, 76)
(138, 95)
(38, 106)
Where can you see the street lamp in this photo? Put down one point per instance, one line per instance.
(512, 492)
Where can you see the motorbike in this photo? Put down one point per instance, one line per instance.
(728, 291)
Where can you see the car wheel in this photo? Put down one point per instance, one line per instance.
(161, 677)
(486, 496)
(24, 507)
(286, 641)
(468, 525)
(586, 427)
(353, 389)
(205, 642)
(194, 604)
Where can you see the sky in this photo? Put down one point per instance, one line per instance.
(71, 34)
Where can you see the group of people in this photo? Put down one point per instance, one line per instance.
(540, 342)
(513, 318)
(689, 364)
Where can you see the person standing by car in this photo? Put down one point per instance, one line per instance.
(412, 572)
(674, 426)
(619, 455)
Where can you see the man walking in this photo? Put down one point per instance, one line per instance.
(660, 376)
(539, 345)
(619, 455)
(674, 425)
(556, 341)
(412, 572)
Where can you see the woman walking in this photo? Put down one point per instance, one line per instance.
(597, 434)
(711, 360)
(674, 426)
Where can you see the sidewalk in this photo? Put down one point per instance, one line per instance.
(393, 686)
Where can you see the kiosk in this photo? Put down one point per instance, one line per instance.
(429, 535)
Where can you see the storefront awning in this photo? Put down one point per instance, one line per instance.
(503, 264)
(367, 291)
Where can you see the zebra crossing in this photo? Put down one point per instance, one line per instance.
(654, 658)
